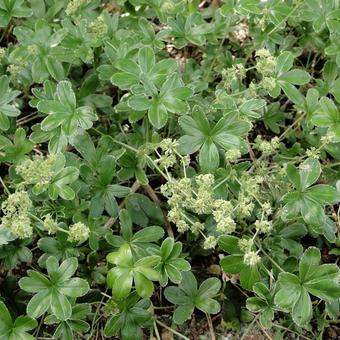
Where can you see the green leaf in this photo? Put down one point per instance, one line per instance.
(144, 286)
(39, 304)
(209, 158)
(66, 95)
(323, 194)
(232, 264)
(229, 244)
(158, 114)
(118, 190)
(209, 288)
(146, 59)
(34, 283)
(289, 292)
(284, 62)
(309, 173)
(329, 109)
(183, 313)
(61, 306)
(148, 234)
(309, 260)
(4, 122)
(295, 77)
(139, 102)
(74, 287)
(292, 93)
(6, 319)
(249, 275)
(24, 323)
(166, 247)
(207, 305)
(55, 68)
(302, 311)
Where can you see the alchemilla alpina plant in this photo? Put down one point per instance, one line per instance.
(169, 169)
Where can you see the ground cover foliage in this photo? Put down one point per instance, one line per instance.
(169, 169)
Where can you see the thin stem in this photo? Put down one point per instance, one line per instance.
(283, 20)
(220, 183)
(270, 258)
(293, 125)
(4, 186)
(332, 165)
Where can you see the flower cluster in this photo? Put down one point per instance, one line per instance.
(204, 200)
(266, 63)
(245, 244)
(236, 72)
(263, 226)
(50, 224)
(78, 232)
(232, 155)
(99, 26)
(241, 31)
(268, 83)
(251, 258)
(73, 6)
(245, 206)
(167, 158)
(210, 242)
(222, 214)
(267, 147)
(313, 153)
(16, 214)
(195, 196)
(37, 171)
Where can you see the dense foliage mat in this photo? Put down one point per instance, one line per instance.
(169, 169)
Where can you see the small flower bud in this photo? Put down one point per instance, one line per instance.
(78, 232)
(210, 242)
(251, 258)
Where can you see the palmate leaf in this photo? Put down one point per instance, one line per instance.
(328, 116)
(13, 8)
(160, 89)
(142, 272)
(308, 200)
(53, 291)
(201, 136)
(287, 78)
(133, 314)
(17, 329)
(321, 281)
(63, 111)
(7, 109)
(262, 303)
(188, 297)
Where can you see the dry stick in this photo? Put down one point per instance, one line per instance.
(112, 220)
(291, 331)
(249, 327)
(171, 330)
(263, 330)
(155, 198)
(251, 152)
(156, 331)
(211, 327)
